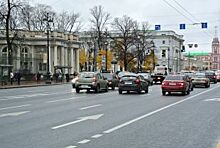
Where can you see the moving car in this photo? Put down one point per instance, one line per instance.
(147, 77)
(73, 81)
(112, 80)
(200, 79)
(176, 83)
(91, 81)
(132, 82)
(212, 76)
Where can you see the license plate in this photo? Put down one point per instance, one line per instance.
(85, 86)
(128, 82)
(172, 83)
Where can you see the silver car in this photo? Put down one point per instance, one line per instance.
(91, 81)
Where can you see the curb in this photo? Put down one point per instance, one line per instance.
(37, 85)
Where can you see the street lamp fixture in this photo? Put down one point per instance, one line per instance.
(48, 20)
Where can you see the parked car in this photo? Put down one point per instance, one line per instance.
(218, 76)
(176, 83)
(132, 82)
(200, 79)
(91, 81)
(212, 76)
(147, 77)
(112, 80)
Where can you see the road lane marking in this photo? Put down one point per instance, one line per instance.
(154, 112)
(97, 136)
(84, 141)
(81, 119)
(214, 99)
(13, 114)
(60, 100)
(22, 96)
(71, 146)
(13, 107)
(92, 106)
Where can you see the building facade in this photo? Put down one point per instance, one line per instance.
(29, 52)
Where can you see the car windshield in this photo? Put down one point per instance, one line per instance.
(86, 75)
(200, 75)
(174, 78)
(107, 75)
(145, 75)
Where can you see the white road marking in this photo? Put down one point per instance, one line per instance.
(97, 136)
(84, 141)
(60, 100)
(81, 119)
(23, 96)
(214, 99)
(88, 107)
(154, 112)
(13, 107)
(13, 114)
(71, 146)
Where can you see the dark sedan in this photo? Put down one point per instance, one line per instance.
(132, 82)
(112, 80)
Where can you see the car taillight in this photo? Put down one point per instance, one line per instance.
(181, 83)
(164, 83)
(137, 81)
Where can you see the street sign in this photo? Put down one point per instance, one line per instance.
(204, 25)
(157, 27)
(182, 26)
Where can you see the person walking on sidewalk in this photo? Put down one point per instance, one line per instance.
(18, 77)
(38, 77)
(11, 77)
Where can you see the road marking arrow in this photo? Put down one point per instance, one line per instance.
(81, 119)
(13, 114)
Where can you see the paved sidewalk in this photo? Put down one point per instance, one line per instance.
(29, 84)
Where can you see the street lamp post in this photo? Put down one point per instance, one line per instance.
(106, 56)
(153, 48)
(48, 20)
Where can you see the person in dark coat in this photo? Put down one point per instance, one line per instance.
(18, 76)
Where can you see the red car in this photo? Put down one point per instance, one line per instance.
(176, 83)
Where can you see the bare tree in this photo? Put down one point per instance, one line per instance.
(127, 29)
(99, 21)
(66, 22)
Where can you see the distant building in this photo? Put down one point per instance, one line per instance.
(30, 52)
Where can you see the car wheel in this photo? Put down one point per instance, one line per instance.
(97, 89)
(120, 91)
(113, 88)
(184, 92)
(188, 92)
(77, 90)
(88, 90)
(106, 89)
(215, 82)
(192, 88)
(163, 93)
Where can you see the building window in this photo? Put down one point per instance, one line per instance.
(163, 42)
(4, 56)
(163, 53)
(215, 59)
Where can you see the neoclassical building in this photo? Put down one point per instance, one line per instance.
(30, 52)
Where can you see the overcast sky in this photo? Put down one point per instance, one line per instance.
(168, 13)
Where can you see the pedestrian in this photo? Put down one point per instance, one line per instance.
(38, 77)
(67, 77)
(11, 77)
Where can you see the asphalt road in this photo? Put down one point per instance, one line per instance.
(57, 117)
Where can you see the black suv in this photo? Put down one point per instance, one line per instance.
(212, 76)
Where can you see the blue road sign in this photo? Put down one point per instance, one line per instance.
(157, 27)
(182, 26)
(204, 25)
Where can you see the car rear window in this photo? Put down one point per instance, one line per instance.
(174, 78)
(200, 75)
(128, 77)
(86, 75)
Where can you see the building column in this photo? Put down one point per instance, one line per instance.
(62, 56)
(77, 60)
(54, 56)
(18, 64)
(33, 66)
(65, 59)
(72, 60)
